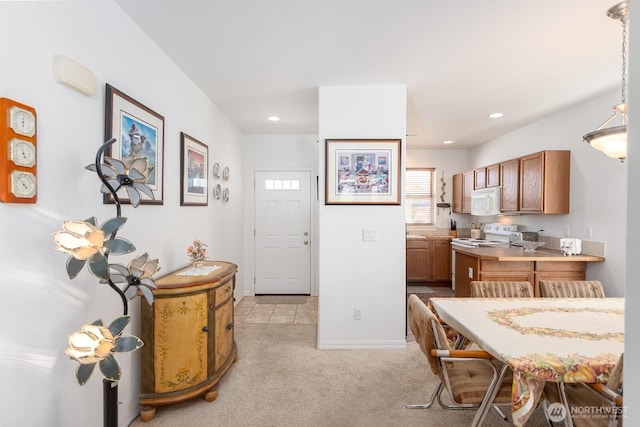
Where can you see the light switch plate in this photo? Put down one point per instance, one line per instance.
(369, 235)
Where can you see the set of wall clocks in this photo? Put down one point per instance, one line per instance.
(18, 182)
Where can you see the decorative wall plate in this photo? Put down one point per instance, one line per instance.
(225, 173)
(217, 191)
(216, 170)
(225, 195)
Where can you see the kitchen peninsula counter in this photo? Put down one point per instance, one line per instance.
(508, 263)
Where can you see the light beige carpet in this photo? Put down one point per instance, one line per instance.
(282, 380)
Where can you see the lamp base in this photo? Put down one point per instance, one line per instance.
(110, 403)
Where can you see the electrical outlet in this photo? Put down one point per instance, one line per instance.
(470, 272)
(357, 314)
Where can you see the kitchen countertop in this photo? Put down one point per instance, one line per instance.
(512, 253)
(428, 237)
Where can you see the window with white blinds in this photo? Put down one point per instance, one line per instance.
(420, 199)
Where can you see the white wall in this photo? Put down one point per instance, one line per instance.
(273, 152)
(369, 275)
(40, 306)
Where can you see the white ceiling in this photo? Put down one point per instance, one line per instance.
(460, 60)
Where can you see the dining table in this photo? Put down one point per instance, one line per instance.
(562, 340)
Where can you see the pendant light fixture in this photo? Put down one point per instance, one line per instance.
(612, 140)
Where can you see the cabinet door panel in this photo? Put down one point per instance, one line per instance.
(224, 333)
(468, 179)
(480, 178)
(457, 193)
(531, 181)
(181, 344)
(493, 176)
(417, 268)
(441, 261)
(509, 175)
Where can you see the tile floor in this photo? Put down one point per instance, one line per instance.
(277, 309)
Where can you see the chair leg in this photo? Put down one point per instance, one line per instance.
(436, 393)
(492, 391)
(499, 411)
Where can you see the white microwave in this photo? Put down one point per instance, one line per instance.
(485, 201)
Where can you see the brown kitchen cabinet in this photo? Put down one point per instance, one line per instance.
(463, 185)
(188, 336)
(493, 175)
(510, 178)
(544, 182)
(456, 197)
(468, 180)
(480, 178)
(428, 260)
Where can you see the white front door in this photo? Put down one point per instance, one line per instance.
(282, 232)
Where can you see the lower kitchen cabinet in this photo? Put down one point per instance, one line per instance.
(188, 336)
(429, 260)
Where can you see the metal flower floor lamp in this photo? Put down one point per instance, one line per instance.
(90, 244)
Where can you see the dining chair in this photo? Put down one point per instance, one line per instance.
(596, 404)
(466, 375)
(501, 289)
(571, 289)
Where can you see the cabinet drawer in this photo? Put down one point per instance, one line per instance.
(579, 266)
(417, 244)
(515, 266)
(223, 292)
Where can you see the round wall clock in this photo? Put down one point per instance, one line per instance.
(23, 122)
(18, 152)
(23, 184)
(22, 153)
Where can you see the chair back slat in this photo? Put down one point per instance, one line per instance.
(501, 289)
(571, 289)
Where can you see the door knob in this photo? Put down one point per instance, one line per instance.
(306, 242)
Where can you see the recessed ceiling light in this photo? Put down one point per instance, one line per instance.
(496, 115)
(273, 118)
(448, 142)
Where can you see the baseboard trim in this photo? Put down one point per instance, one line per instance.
(362, 345)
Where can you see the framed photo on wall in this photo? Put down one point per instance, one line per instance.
(139, 133)
(194, 170)
(362, 171)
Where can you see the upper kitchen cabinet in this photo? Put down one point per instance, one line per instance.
(456, 196)
(544, 182)
(510, 178)
(480, 178)
(468, 179)
(493, 175)
(463, 185)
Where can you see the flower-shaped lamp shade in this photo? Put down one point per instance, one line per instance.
(138, 275)
(84, 241)
(96, 344)
(132, 174)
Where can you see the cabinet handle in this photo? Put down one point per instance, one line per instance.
(205, 328)
(229, 325)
